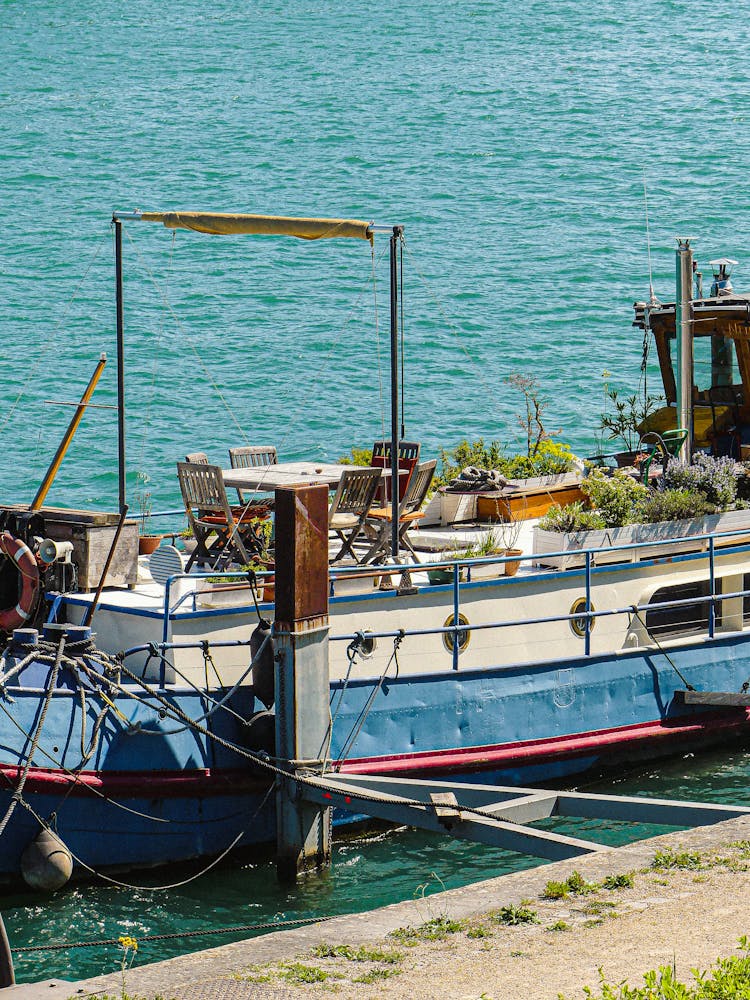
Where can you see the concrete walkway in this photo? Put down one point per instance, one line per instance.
(688, 916)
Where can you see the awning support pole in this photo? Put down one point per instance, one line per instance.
(395, 437)
(684, 334)
(120, 365)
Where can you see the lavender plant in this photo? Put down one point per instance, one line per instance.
(713, 478)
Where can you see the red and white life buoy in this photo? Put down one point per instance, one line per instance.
(20, 554)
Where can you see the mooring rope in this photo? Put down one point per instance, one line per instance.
(239, 929)
(18, 793)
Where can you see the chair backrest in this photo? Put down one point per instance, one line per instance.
(202, 488)
(252, 456)
(197, 458)
(418, 487)
(356, 491)
(408, 456)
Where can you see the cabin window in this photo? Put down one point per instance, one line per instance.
(746, 598)
(715, 367)
(684, 619)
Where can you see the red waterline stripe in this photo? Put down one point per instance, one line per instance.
(198, 783)
(206, 782)
(600, 742)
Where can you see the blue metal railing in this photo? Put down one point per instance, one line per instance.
(457, 567)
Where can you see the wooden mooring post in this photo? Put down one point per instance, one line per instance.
(303, 828)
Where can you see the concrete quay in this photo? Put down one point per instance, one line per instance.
(686, 916)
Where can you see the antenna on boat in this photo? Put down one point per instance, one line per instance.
(652, 298)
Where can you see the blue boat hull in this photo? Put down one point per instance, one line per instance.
(155, 792)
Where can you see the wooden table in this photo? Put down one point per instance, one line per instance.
(266, 478)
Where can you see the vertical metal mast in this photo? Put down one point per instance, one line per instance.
(120, 363)
(684, 335)
(395, 441)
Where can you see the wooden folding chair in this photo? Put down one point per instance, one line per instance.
(197, 458)
(223, 534)
(251, 457)
(350, 505)
(408, 456)
(380, 519)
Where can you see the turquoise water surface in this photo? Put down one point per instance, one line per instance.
(511, 140)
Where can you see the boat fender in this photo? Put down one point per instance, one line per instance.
(262, 672)
(260, 732)
(21, 555)
(46, 864)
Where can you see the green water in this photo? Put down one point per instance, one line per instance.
(512, 141)
(368, 871)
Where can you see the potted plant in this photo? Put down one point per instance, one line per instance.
(624, 423)
(147, 543)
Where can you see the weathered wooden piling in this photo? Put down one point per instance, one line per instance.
(301, 676)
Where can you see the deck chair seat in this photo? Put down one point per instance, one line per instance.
(222, 535)
(380, 519)
(250, 512)
(350, 506)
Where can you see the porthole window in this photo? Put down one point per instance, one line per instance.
(461, 636)
(578, 625)
(367, 645)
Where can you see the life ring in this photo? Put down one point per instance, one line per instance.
(20, 554)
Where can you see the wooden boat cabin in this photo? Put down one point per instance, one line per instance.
(720, 339)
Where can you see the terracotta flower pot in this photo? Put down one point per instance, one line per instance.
(511, 568)
(148, 544)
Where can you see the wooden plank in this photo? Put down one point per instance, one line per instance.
(446, 808)
(728, 699)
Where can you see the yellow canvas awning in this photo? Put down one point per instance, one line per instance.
(230, 224)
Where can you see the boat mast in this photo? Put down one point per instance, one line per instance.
(684, 335)
(396, 236)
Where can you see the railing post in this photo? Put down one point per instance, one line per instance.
(456, 577)
(587, 633)
(303, 838)
(712, 583)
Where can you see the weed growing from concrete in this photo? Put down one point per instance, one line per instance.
(559, 925)
(624, 881)
(574, 885)
(480, 931)
(436, 929)
(362, 954)
(513, 915)
(298, 972)
(670, 858)
(728, 979)
(374, 975)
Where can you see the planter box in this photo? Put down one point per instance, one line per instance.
(523, 499)
(224, 595)
(632, 534)
(450, 508)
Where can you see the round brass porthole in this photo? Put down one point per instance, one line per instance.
(461, 636)
(578, 625)
(367, 645)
